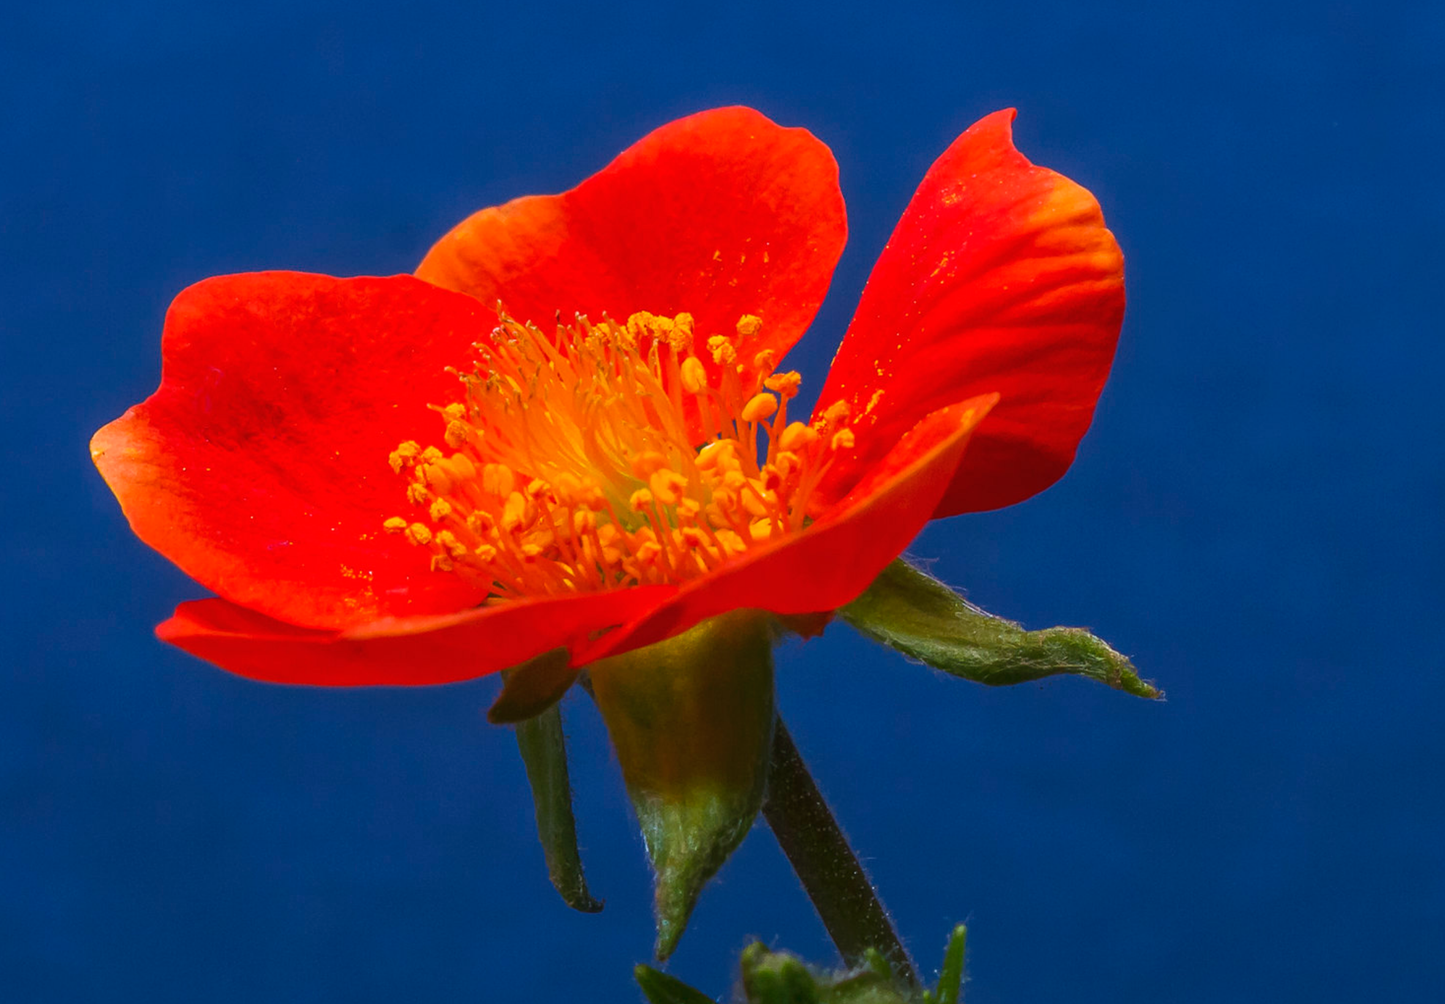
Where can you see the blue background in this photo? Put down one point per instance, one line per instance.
(1255, 517)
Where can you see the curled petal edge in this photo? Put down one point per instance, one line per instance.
(400, 651)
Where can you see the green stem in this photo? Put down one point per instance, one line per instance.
(824, 862)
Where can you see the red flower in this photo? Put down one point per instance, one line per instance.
(283, 462)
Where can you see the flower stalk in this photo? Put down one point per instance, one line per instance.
(824, 862)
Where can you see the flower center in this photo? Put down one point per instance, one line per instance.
(610, 455)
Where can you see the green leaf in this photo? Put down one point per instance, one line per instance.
(915, 614)
(660, 988)
(691, 719)
(533, 687)
(544, 753)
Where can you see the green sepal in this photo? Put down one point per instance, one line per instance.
(915, 614)
(950, 975)
(781, 978)
(533, 687)
(691, 719)
(544, 753)
(660, 988)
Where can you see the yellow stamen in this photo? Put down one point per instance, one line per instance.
(694, 377)
(785, 384)
(604, 455)
(797, 436)
(749, 325)
(760, 407)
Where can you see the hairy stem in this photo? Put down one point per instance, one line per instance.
(824, 862)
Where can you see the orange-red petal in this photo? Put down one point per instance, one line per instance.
(1000, 277)
(719, 214)
(829, 563)
(404, 651)
(260, 464)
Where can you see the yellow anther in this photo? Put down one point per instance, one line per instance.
(644, 464)
(714, 453)
(442, 563)
(498, 480)
(583, 521)
(460, 466)
(749, 325)
(786, 384)
(419, 533)
(730, 540)
(760, 407)
(440, 510)
(797, 436)
(694, 377)
(486, 553)
(692, 536)
(667, 486)
(688, 508)
(457, 434)
(394, 525)
(647, 553)
(681, 336)
(837, 413)
(568, 487)
(435, 477)
(723, 351)
(761, 529)
(772, 478)
(591, 496)
(481, 522)
(641, 501)
(514, 512)
(757, 500)
(735, 480)
(455, 412)
(722, 504)
(404, 455)
(540, 539)
(843, 439)
(431, 455)
(540, 489)
(454, 547)
(639, 323)
(417, 494)
(765, 360)
(643, 323)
